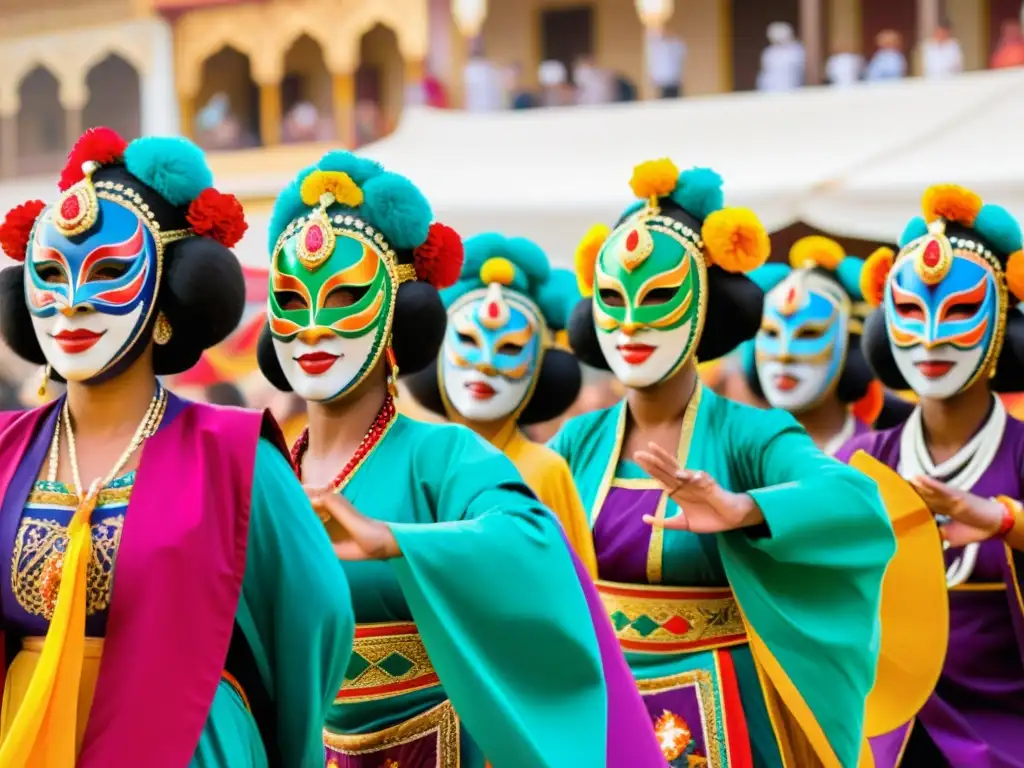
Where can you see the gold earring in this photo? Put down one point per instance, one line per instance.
(162, 331)
(392, 361)
(45, 381)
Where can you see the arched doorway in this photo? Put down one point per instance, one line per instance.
(228, 114)
(306, 94)
(42, 139)
(379, 85)
(115, 98)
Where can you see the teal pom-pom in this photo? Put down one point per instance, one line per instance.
(633, 207)
(453, 293)
(557, 297)
(999, 229)
(174, 167)
(699, 192)
(848, 275)
(397, 208)
(768, 276)
(359, 169)
(915, 228)
(287, 207)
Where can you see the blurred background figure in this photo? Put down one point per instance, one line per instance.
(942, 55)
(782, 62)
(10, 399)
(666, 63)
(225, 393)
(594, 85)
(1009, 50)
(368, 121)
(845, 66)
(888, 61)
(482, 82)
(520, 97)
(304, 123)
(434, 92)
(555, 90)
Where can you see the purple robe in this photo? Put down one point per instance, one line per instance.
(976, 715)
(180, 566)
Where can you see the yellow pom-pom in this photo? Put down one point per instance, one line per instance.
(336, 183)
(1015, 274)
(735, 240)
(952, 203)
(497, 269)
(655, 178)
(816, 251)
(586, 256)
(874, 274)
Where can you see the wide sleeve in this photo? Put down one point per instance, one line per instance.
(296, 610)
(511, 621)
(809, 585)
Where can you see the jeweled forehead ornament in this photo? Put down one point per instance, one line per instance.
(791, 296)
(77, 209)
(316, 239)
(932, 254)
(494, 311)
(638, 245)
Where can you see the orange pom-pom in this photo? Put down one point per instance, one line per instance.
(1015, 274)
(102, 146)
(586, 257)
(952, 203)
(816, 251)
(735, 240)
(17, 228)
(874, 274)
(869, 408)
(439, 260)
(654, 178)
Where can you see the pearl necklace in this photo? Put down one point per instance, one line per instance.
(146, 429)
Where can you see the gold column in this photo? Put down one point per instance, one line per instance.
(811, 25)
(414, 72)
(270, 114)
(344, 91)
(187, 115)
(9, 146)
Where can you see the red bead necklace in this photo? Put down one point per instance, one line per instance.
(380, 426)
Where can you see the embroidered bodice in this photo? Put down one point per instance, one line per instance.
(31, 592)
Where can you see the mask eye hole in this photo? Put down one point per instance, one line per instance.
(290, 300)
(909, 311)
(658, 296)
(769, 332)
(51, 274)
(108, 270)
(465, 338)
(510, 349)
(345, 296)
(964, 311)
(612, 298)
(809, 334)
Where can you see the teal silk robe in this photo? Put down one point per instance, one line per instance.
(486, 575)
(807, 584)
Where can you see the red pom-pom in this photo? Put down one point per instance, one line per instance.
(102, 146)
(439, 260)
(217, 216)
(17, 228)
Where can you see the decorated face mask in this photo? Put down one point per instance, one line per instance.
(944, 311)
(650, 285)
(801, 347)
(331, 304)
(492, 351)
(91, 280)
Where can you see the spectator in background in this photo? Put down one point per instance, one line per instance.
(482, 82)
(1010, 50)
(666, 63)
(368, 121)
(434, 93)
(941, 55)
(888, 62)
(594, 85)
(844, 67)
(520, 97)
(9, 398)
(625, 89)
(302, 123)
(555, 90)
(783, 61)
(225, 393)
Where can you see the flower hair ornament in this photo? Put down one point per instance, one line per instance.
(681, 212)
(336, 222)
(148, 206)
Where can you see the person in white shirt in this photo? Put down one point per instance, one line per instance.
(666, 62)
(783, 61)
(482, 83)
(844, 67)
(555, 90)
(942, 54)
(594, 85)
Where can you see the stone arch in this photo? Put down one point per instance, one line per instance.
(305, 87)
(227, 114)
(41, 123)
(380, 84)
(115, 96)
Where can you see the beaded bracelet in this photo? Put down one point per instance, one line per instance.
(1010, 508)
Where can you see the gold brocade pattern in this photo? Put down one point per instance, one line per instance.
(387, 660)
(39, 551)
(440, 722)
(702, 680)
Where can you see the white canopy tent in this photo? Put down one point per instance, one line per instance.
(849, 161)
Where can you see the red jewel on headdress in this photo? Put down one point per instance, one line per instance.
(492, 309)
(314, 238)
(632, 240)
(932, 254)
(71, 208)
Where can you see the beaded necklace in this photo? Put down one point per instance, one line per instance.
(381, 424)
